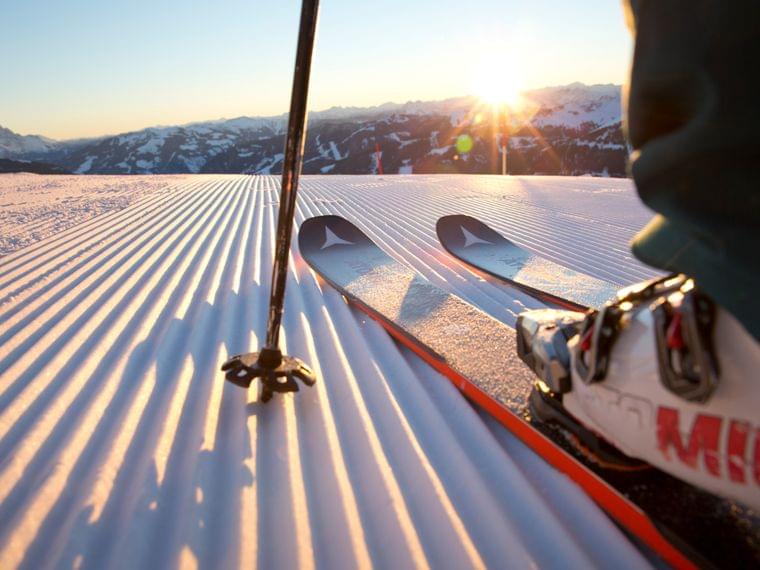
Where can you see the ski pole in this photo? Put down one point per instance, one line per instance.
(279, 373)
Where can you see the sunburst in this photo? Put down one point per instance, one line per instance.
(498, 84)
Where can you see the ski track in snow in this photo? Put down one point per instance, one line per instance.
(122, 446)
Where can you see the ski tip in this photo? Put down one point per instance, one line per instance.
(453, 220)
(322, 233)
(458, 231)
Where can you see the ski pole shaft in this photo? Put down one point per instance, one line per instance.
(294, 144)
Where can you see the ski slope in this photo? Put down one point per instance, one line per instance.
(122, 446)
(33, 207)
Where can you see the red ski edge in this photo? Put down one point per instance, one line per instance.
(615, 504)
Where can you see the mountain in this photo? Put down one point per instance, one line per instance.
(15, 145)
(573, 129)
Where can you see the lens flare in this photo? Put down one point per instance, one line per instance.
(464, 143)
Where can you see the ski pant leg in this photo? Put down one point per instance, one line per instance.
(693, 122)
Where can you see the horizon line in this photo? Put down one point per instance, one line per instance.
(285, 113)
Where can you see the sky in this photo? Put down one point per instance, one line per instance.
(80, 68)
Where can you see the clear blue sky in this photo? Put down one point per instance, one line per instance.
(89, 67)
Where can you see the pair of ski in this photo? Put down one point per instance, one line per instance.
(678, 523)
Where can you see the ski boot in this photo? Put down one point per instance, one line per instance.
(660, 376)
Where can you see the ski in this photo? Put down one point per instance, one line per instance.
(481, 247)
(682, 525)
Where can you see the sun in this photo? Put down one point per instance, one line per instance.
(498, 85)
(499, 91)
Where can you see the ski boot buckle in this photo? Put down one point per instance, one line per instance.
(688, 365)
(600, 329)
(542, 337)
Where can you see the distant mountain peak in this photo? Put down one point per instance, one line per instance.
(583, 121)
(14, 145)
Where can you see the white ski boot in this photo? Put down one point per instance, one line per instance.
(663, 374)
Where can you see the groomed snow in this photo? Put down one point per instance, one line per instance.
(121, 445)
(33, 207)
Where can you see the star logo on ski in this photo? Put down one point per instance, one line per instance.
(471, 239)
(331, 239)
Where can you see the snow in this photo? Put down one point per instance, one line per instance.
(573, 105)
(457, 116)
(440, 150)
(34, 207)
(12, 144)
(335, 151)
(276, 123)
(321, 149)
(152, 146)
(194, 164)
(369, 128)
(86, 165)
(121, 445)
(266, 164)
(144, 164)
(128, 139)
(591, 144)
(326, 169)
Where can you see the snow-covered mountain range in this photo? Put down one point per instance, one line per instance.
(573, 129)
(15, 145)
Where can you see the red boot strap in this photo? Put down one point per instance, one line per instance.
(586, 340)
(674, 335)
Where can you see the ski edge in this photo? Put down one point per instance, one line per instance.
(623, 511)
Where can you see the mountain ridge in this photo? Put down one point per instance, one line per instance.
(570, 129)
